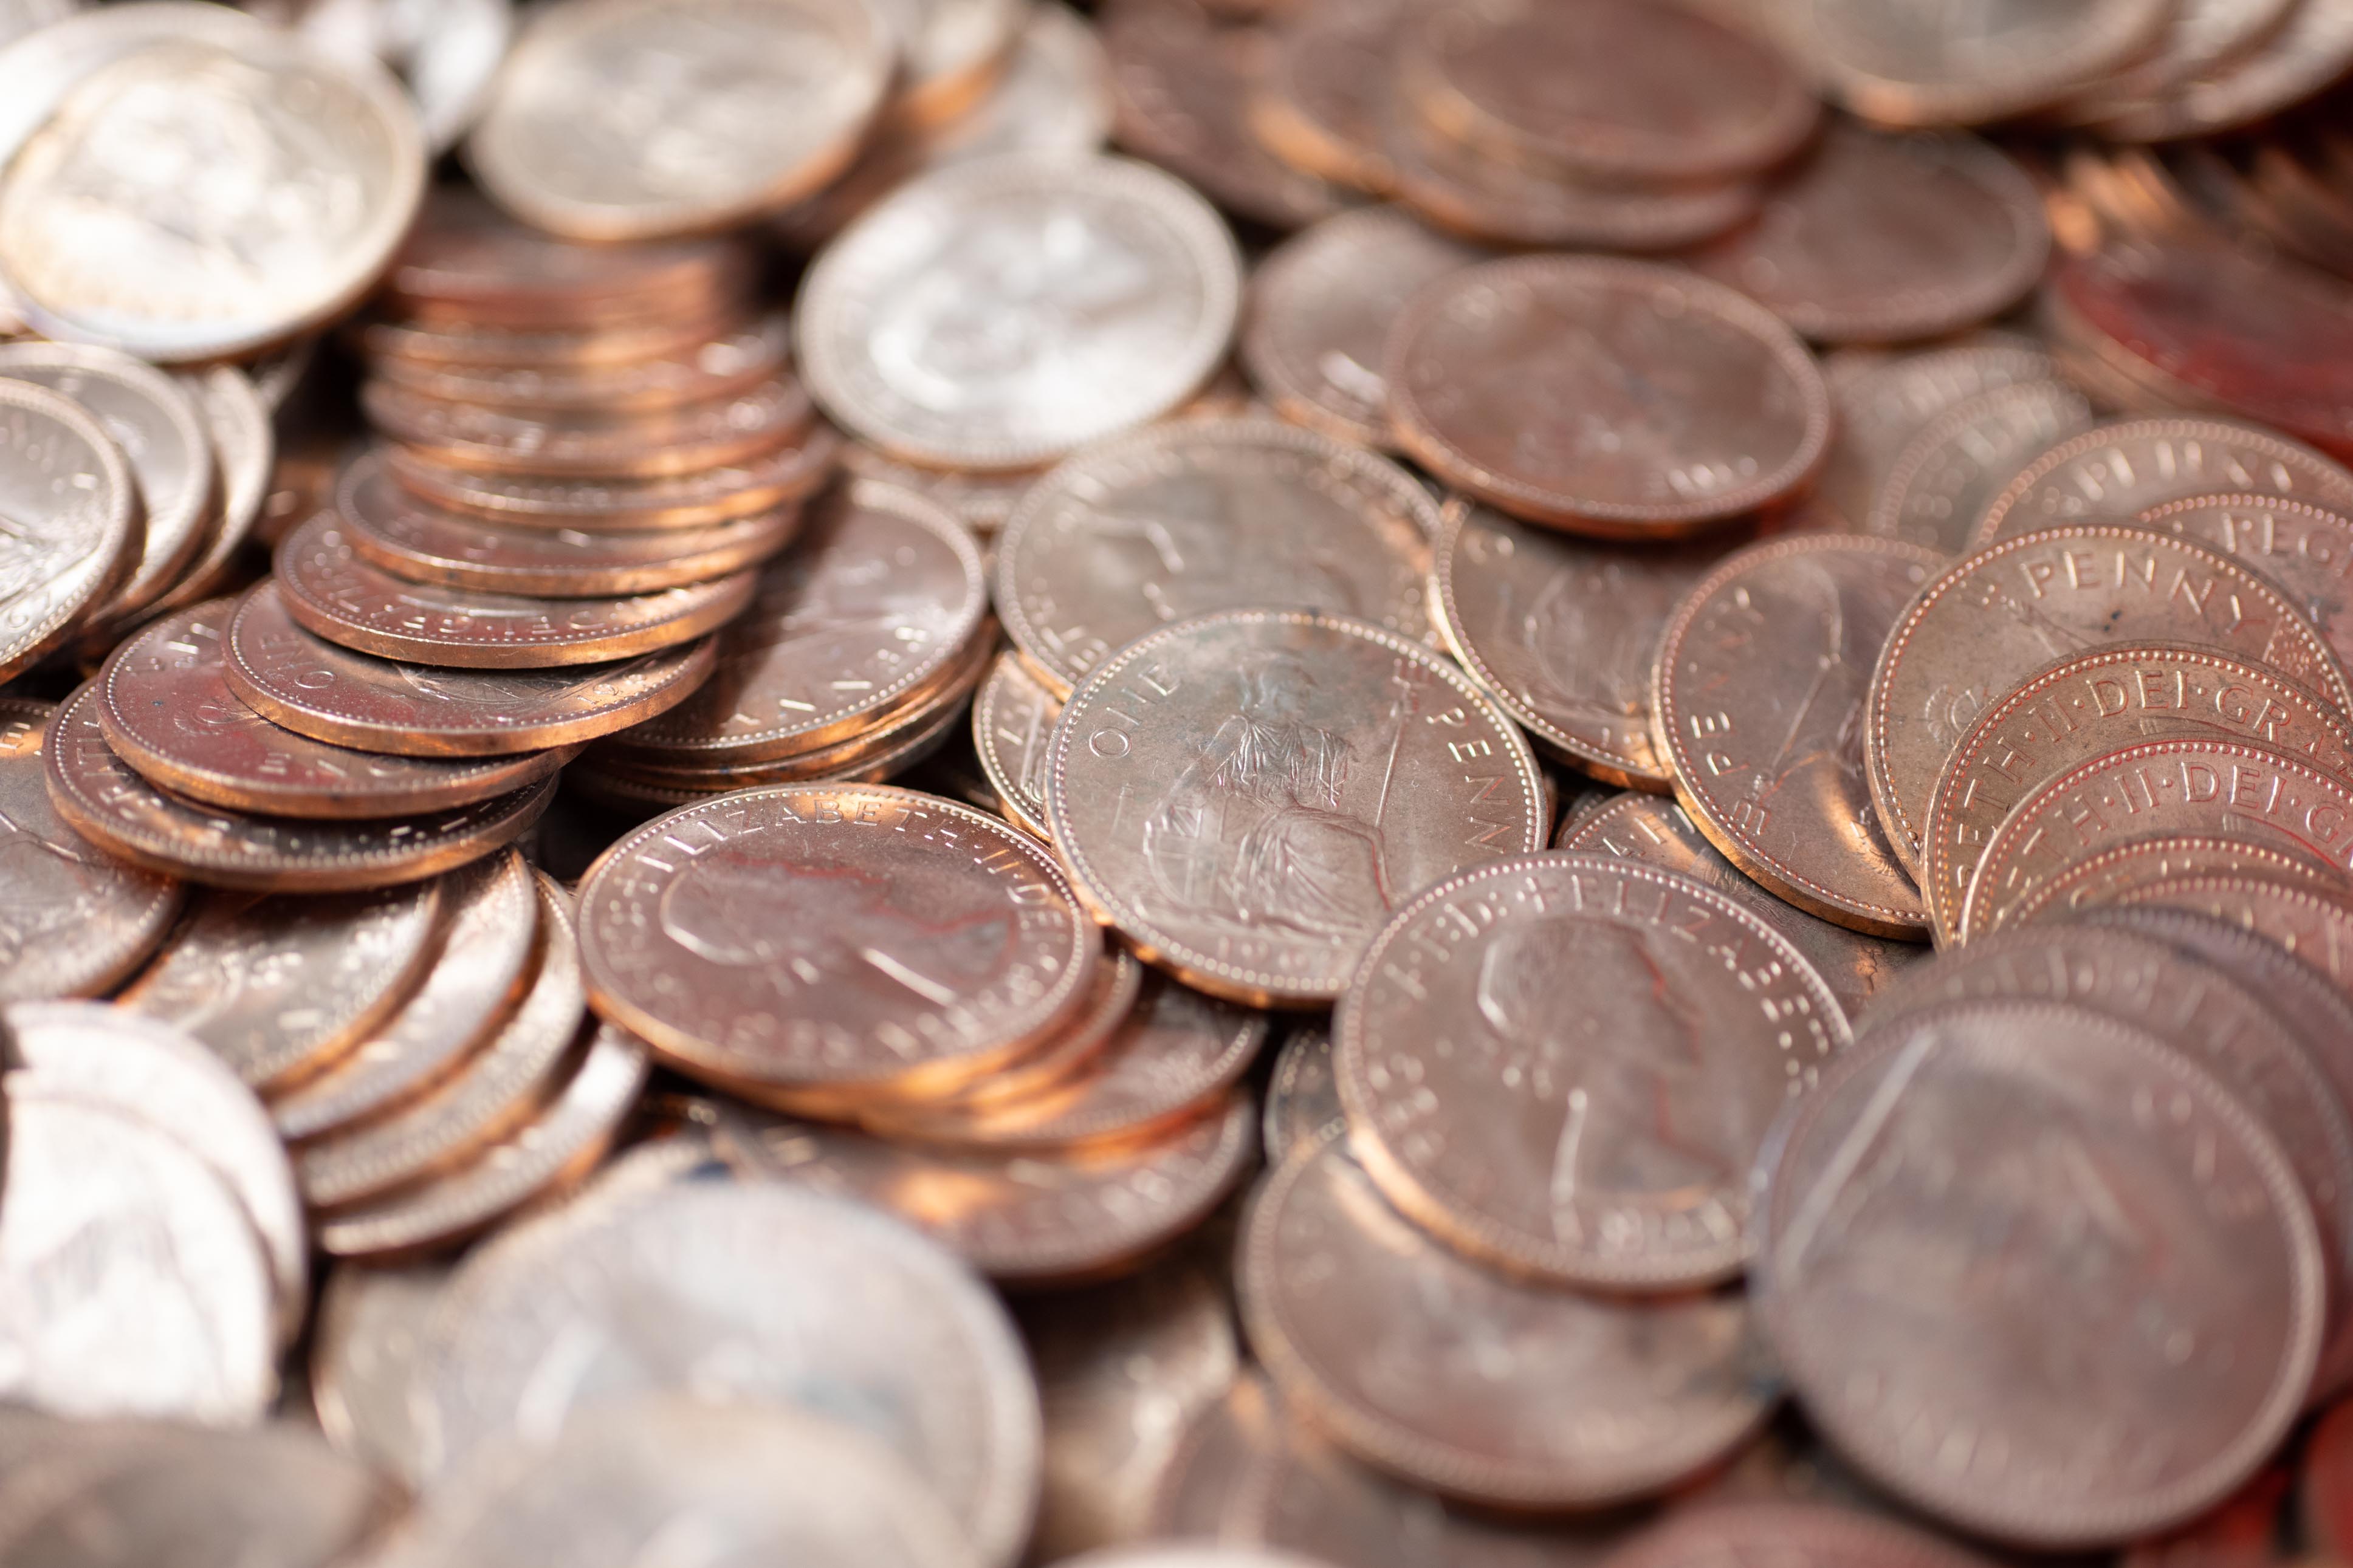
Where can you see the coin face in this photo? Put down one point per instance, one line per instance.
(1759, 703)
(2099, 881)
(2295, 544)
(1432, 1367)
(2309, 918)
(2010, 1131)
(595, 443)
(1882, 408)
(1902, 66)
(640, 119)
(1013, 716)
(929, 328)
(74, 509)
(1247, 795)
(1944, 479)
(1206, 516)
(1994, 616)
(1517, 381)
(2124, 467)
(594, 505)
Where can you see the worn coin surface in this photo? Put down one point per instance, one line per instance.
(2101, 880)
(1956, 1173)
(1013, 716)
(1203, 515)
(73, 511)
(592, 443)
(998, 313)
(1111, 998)
(1900, 66)
(1247, 796)
(596, 505)
(1943, 480)
(1758, 703)
(2122, 468)
(2300, 546)
(1617, 398)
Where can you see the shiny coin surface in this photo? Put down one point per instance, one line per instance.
(1013, 716)
(1758, 704)
(245, 449)
(596, 442)
(595, 505)
(729, 363)
(1953, 1175)
(1303, 1102)
(1203, 515)
(74, 509)
(1904, 67)
(446, 52)
(2124, 467)
(944, 326)
(2308, 917)
(364, 1360)
(1944, 478)
(1615, 1154)
(2101, 880)
(335, 694)
(2300, 546)
(1616, 397)
(637, 119)
(1247, 795)
(1883, 407)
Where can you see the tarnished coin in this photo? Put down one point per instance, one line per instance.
(639, 118)
(446, 52)
(1759, 703)
(1902, 66)
(998, 313)
(1619, 1037)
(2124, 467)
(102, 798)
(2079, 709)
(243, 438)
(1013, 717)
(1615, 397)
(1319, 312)
(365, 1352)
(1323, 90)
(1882, 408)
(1997, 615)
(731, 363)
(2309, 918)
(75, 921)
(1302, 1101)
(2300, 546)
(597, 443)
(1944, 479)
(834, 940)
(350, 698)
(1820, 1535)
(1956, 1174)
(328, 587)
(74, 528)
(1203, 515)
(1436, 1369)
(1237, 794)
(2103, 880)
(592, 505)
(164, 702)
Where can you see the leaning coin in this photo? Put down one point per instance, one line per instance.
(631, 340)
(593, 443)
(1956, 1174)
(364, 1350)
(1160, 791)
(1303, 1102)
(1941, 482)
(1624, 1162)
(2105, 879)
(1013, 716)
(2125, 467)
(595, 505)
(1883, 407)
(2311, 918)
(1902, 66)
(74, 532)
(245, 449)
(2300, 546)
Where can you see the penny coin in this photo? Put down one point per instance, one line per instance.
(1111, 996)
(732, 361)
(327, 587)
(1217, 1459)
(168, 709)
(642, 119)
(2081, 708)
(443, 344)
(100, 798)
(1203, 515)
(789, 1279)
(1882, 408)
(1943, 480)
(1162, 790)
(1303, 1100)
(1434, 1368)
(1903, 67)
(2311, 51)
(1953, 1176)
(982, 501)
(1605, 1141)
(1888, 238)
(364, 1360)
(2309, 918)
(2124, 467)
(335, 694)
(1012, 718)
(834, 941)
(2005, 611)
(595, 505)
(1758, 703)
(1655, 831)
(74, 528)
(644, 795)
(1319, 312)
(245, 445)
(597, 444)
(76, 921)
(2299, 546)
(2098, 881)
(488, 940)
(1323, 92)
(1825, 1536)
(998, 313)
(1616, 397)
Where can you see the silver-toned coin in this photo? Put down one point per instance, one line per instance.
(364, 1358)
(74, 528)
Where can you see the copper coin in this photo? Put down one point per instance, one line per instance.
(166, 708)
(643, 795)
(1604, 1141)
(1012, 718)
(441, 345)
(1236, 795)
(1943, 480)
(1111, 998)
(2301, 546)
(1203, 515)
(2201, 38)
(121, 812)
(329, 589)
(594, 443)
(729, 363)
(1883, 407)
(834, 940)
(1758, 704)
(2125, 467)
(2310, 918)
(1820, 1535)
(1321, 92)
(2079, 709)
(74, 515)
(243, 438)
(1655, 831)
(77, 920)
(1900, 66)
(688, 500)
(982, 501)
(2303, 56)
(1319, 312)
(1615, 397)
(1994, 616)
(2202, 787)
(1955, 1175)
(2104, 879)
(1436, 1369)
(1303, 1100)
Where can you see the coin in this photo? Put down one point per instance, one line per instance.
(1012, 718)
(950, 52)
(446, 52)
(730, 363)
(1995, 616)
(1203, 515)
(1132, 312)
(2097, 881)
(1605, 1141)
(1434, 1368)
(244, 444)
(1303, 1102)
(442, 344)
(335, 694)
(1943, 480)
(981, 501)
(2296, 545)
(645, 793)
(2310, 51)
(77, 921)
(594, 505)
(1111, 998)
(1615, 397)
(598, 443)
(1323, 92)
(1052, 96)
(75, 515)
(1826, 1536)
(2311, 918)
(364, 1360)
(1758, 703)
(2015, 1130)
(1882, 408)
(2120, 468)
(1905, 68)
(2078, 708)
(2200, 37)
(1161, 789)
